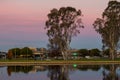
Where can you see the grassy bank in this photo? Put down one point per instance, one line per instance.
(58, 62)
(32, 60)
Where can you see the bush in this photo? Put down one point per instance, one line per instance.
(95, 52)
(83, 52)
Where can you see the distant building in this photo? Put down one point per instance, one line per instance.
(118, 54)
(3, 55)
(33, 49)
(38, 53)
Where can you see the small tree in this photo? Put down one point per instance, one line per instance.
(10, 54)
(26, 52)
(83, 52)
(16, 52)
(94, 52)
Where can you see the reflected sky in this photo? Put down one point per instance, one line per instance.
(61, 72)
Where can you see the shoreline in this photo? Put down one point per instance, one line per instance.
(15, 63)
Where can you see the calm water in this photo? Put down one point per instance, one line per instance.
(61, 72)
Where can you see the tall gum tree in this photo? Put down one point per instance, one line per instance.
(109, 27)
(61, 25)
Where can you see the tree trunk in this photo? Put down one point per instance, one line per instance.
(113, 72)
(63, 54)
(112, 53)
(112, 47)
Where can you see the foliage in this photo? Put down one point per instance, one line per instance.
(24, 69)
(26, 51)
(54, 53)
(83, 52)
(109, 27)
(94, 52)
(15, 52)
(10, 54)
(61, 25)
(106, 52)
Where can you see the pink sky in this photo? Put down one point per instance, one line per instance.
(22, 22)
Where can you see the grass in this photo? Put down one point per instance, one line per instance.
(58, 62)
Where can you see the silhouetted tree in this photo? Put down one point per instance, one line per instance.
(61, 25)
(15, 52)
(109, 27)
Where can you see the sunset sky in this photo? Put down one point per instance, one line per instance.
(22, 22)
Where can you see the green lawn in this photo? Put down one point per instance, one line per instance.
(59, 62)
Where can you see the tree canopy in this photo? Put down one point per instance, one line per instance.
(16, 52)
(109, 27)
(26, 51)
(61, 25)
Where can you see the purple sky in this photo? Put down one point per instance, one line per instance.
(22, 22)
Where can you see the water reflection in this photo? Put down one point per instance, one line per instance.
(89, 67)
(16, 69)
(58, 72)
(111, 74)
(64, 72)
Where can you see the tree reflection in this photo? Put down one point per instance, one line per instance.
(62, 72)
(24, 69)
(89, 67)
(109, 72)
(58, 72)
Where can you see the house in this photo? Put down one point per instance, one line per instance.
(39, 53)
(3, 55)
(118, 54)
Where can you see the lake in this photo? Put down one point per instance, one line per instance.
(60, 72)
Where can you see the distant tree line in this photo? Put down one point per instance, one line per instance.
(92, 52)
(17, 53)
(25, 52)
(82, 53)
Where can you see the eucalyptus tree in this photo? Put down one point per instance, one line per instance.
(109, 27)
(57, 72)
(62, 25)
(110, 73)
